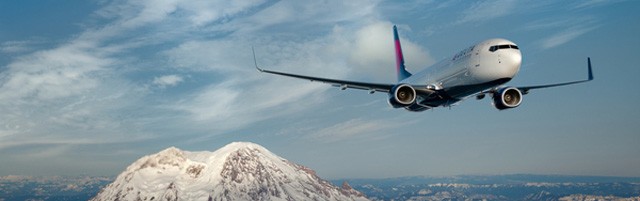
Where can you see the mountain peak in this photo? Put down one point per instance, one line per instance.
(171, 150)
(240, 145)
(244, 147)
(237, 171)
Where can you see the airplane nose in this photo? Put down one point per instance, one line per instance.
(512, 63)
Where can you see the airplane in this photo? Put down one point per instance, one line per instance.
(478, 70)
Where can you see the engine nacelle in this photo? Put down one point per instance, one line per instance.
(506, 98)
(402, 95)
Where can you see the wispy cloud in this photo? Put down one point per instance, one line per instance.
(80, 92)
(595, 3)
(487, 10)
(13, 47)
(87, 89)
(355, 128)
(570, 29)
(564, 36)
(55, 73)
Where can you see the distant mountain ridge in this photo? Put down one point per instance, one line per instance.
(500, 187)
(494, 179)
(488, 187)
(20, 188)
(238, 171)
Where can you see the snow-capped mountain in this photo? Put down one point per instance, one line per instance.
(238, 171)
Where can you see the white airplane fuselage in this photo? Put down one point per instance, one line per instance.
(471, 71)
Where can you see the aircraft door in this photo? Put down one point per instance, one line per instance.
(475, 62)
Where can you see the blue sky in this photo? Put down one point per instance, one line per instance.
(87, 87)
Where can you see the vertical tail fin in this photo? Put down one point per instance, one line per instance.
(402, 72)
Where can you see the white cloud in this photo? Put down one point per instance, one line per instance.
(167, 80)
(373, 52)
(41, 91)
(213, 104)
(51, 74)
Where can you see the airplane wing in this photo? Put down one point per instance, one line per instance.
(343, 84)
(526, 89)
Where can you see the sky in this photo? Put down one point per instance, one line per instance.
(88, 87)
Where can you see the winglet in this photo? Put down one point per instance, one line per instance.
(255, 62)
(590, 71)
(400, 68)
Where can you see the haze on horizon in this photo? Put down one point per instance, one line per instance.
(88, 87)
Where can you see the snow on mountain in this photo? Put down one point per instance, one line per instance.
(237, 171)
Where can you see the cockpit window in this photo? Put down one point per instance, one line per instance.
(497, 47)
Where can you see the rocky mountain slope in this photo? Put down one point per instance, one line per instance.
(238, 171)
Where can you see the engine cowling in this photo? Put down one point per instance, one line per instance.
(507, 98)
(402, 95)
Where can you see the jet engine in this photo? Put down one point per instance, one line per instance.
(402, 95)
(506, 98)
